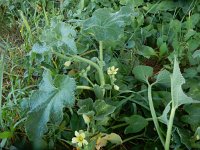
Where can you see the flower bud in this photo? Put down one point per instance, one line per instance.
(86, 119)
(116, 87)
(197, 137)
(67, 63)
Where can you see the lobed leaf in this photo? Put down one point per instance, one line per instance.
(105, 25)
(177, 80)
(47, 103)
(58, 36)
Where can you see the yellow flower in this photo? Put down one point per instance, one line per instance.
(86, 119)
(79, 139)
(112, 70)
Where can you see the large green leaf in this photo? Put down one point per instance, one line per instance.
(58, 36)
(47, 103)
(105, 25)
(177, 80)
(135, 124)
(142, 72)
(133, 3)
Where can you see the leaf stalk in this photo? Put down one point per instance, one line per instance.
(153, 114)
(169, 128)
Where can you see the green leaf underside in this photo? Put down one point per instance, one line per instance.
(47, 103)
(105, 25)
(136, 124)
(177, 80)
(164, 117)
(142, 73)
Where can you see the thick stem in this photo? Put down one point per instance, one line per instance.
(101, 64)
(101, 54)
(169, 128)
(89, 81)
(153, 114)
(78, 58)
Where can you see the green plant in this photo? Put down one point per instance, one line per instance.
(97, 74)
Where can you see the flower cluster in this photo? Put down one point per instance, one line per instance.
(112, 71)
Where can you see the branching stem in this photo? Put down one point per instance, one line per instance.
(81, 59)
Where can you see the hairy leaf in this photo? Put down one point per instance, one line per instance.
(58, 36)
(105, 25)
(47, 103)
(164, 117)
(177, 80)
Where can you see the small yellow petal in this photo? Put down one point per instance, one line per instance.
(76, 133)
(80, 144)
(74, 140)
(85, 142)
(82, 135)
